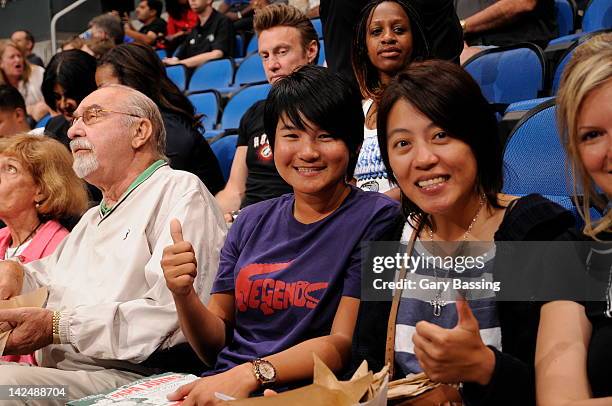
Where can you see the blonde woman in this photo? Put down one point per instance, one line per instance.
(16, 71)
(574, 355)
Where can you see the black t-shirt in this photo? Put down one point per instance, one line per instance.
(158, 26)
(189, 151)
(263, 181)
(216, 33)
(538, 26)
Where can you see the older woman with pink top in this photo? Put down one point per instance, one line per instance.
(38, 191)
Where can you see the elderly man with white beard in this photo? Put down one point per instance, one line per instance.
(108, 307)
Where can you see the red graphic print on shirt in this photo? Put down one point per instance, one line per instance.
(270, 295)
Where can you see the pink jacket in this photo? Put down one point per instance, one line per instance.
(47, 238)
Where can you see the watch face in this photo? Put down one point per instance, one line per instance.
(267, 371)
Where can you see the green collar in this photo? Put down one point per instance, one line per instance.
(105, 210)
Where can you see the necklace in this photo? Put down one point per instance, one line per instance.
(24, 240)
(437, 303)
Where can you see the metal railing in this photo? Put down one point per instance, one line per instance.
(56, 17)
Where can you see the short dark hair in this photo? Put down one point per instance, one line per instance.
(28, 35)
(111, 25)
(75, 71)
(450, 98)
(156, 5)
(11, 99)
(366, 74)
(325, 99)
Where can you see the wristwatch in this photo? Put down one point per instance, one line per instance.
(56, 333)
(264, 372)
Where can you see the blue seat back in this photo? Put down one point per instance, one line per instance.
(161, 53)
(534, 158)
(225, 149)
(253, 46)
(240, 103)
(526, 104)
(250, 71)
(559, 70)
(177, 75)
(508, 74)
(207, 104)
(318, 26)
(212, 75)
(597, 16)
(239, 46)
(321, 61)
(565, 17)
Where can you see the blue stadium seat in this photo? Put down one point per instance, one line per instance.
(508, 74)
(535, 160)
(237, 106)
(526, 104)
(161, 53)
(207, 104)
(597, 16)
(321, 61)
(565, 16)
(318, 26)
(239, 46)
(252, 46)
(177, 74)
(212, 75)
(249, 72)
(224, 149)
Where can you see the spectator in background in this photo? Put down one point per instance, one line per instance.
(38, 192)
(506, 22)
(27, 78)
(25, 41)
(70, 76)
(153, 27)
(137, 66)
(105, 279)
(339, 16)
(287, 40)
(107, 26)
(388, 36)
(181, 20)
(13, 116)
(212, 38)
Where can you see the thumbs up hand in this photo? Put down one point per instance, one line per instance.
(457, 354)
(179, 262)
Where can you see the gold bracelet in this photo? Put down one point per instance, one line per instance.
(56, 329)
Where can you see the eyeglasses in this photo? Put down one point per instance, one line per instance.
(92, 115)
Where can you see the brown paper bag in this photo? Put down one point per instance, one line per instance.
(33, 299)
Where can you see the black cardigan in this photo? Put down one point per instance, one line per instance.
(533, 218)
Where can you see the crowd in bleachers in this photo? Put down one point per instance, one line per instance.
(235, 165)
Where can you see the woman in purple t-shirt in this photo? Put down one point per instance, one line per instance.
(289, 277)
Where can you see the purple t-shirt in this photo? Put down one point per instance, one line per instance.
(288, 277)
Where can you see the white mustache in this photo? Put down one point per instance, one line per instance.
(80, 143)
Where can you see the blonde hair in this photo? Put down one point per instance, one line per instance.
(27, 69)
(50, 164)
(589, 68)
